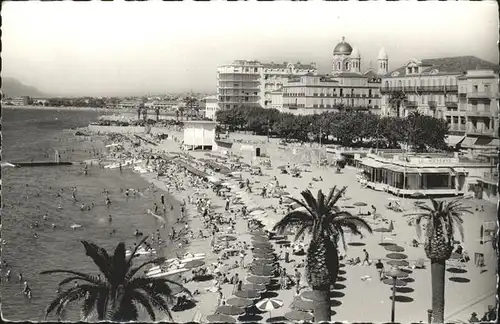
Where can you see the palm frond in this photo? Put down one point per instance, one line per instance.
(301, 231)
(134, 251)
(100, 258)
(310, 201)
(303, 205)
(293, 218)
(145, 303)
(120, 265)
(89, 305)
(82, 275)
(336, 198)
(93, 280)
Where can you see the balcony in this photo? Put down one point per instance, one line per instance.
(411, 104)
(476, 113)
(457, 128)
(475, 131)
(451, 104)
(447, 88)
(479, 95)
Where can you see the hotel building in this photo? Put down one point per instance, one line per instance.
(463, 90)
(346, 86)
(20, 101)
(250, 83)
(211, 106)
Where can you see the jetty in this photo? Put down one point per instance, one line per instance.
(41, 164)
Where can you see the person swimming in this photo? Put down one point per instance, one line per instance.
(35, 235)
(45, 217)
(107, 201)
(7, 275)
(53, 225)
(110, 219)
(82, 207)
(59, 207)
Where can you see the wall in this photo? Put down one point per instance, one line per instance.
(199, 134)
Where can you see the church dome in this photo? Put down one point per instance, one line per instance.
(382, 54)
(343, 48)
(355, 53)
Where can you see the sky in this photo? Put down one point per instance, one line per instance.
(128, 48)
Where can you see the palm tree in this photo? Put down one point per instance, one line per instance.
(442, 219)
(116, 296)
(396, 99)
(326, 222)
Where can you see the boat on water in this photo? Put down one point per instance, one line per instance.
(177, 262)
(141, 252)
(140, 169)
(167, 273)
(75, 226)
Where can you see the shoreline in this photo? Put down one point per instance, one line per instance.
(110, 110)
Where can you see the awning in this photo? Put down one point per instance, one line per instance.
(459, 170)
(483, 141)
(453, 140)
(489, 181)
(372, 163)
(398, 168)
(469, 142)
(435, 170)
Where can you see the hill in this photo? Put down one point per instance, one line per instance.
(14, 88)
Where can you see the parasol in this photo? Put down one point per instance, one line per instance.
(382, 230)
(302, 304)
(220, 318)
(227, 238)
(257, 287)
(239, 302)
(296, 315)
(398, 263)
(259, 280)
(394, 248)
(394, 282)
(396, 256)
(262, 271)
(230, 310)
(269, 304)
(252, 294)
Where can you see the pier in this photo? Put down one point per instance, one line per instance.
(42, 164)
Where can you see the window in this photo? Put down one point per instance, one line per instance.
(255, 69)
(246, 70)
(475, 88)
(487, 106)
(448, 119)
(486, 87)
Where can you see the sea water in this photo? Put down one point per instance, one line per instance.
(29, 193)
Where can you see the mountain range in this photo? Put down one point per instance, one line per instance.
(12, 87)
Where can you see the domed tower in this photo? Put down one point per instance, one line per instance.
(383, 62)
(341, 57)
(355, 61)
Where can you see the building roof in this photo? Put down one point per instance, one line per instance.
(450, 65)
(350, 75)
(343, 48)
(284, 65)
(355, 53)
(371, 74)
(382, 54)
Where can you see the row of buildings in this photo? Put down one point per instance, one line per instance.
(462, 90)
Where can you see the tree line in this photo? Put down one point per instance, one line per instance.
(352, 128)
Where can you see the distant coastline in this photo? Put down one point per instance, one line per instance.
(63, 108)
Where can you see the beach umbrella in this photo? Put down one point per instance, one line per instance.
(262, 244)
(194, 264)
(394, 282)
(398, 263)
(296, 316)
(230, 310)
(391, 226)
(220, 318)
(360, 204)
(283, 242)
(382, 230)
(394, 248)
(239, 302)
(481, 235)
(269, 304)
(281, 167)
(252, 294)
(260, 262)
(302, 304)
(262, 270)
(417, 195)
(396, 256)
(260, 239)
(259, 280)
(396, 273)
(348, 206)
(257, 287)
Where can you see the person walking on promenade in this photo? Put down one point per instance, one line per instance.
(366, 258)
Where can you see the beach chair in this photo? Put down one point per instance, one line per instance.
(419, 264)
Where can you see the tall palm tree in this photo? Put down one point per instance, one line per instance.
(442, 219)
(115, 296)
(326, 222)
(396, 100)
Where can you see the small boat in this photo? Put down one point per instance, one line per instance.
(141, 252)
(140, 169)
(75, 226)
(167, 273)
(190, 257)
(7, 164)
(112, 166)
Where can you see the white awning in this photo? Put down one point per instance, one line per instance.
(460, 170)
(213, 179)
(453, 140)
(435, 170)
(469, 142)
(371, 163)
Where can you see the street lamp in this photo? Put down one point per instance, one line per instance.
(268, 129)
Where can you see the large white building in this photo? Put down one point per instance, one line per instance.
(250, 83)
(347, 85)
(463, 90)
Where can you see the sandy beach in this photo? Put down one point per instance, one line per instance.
(471, 290)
